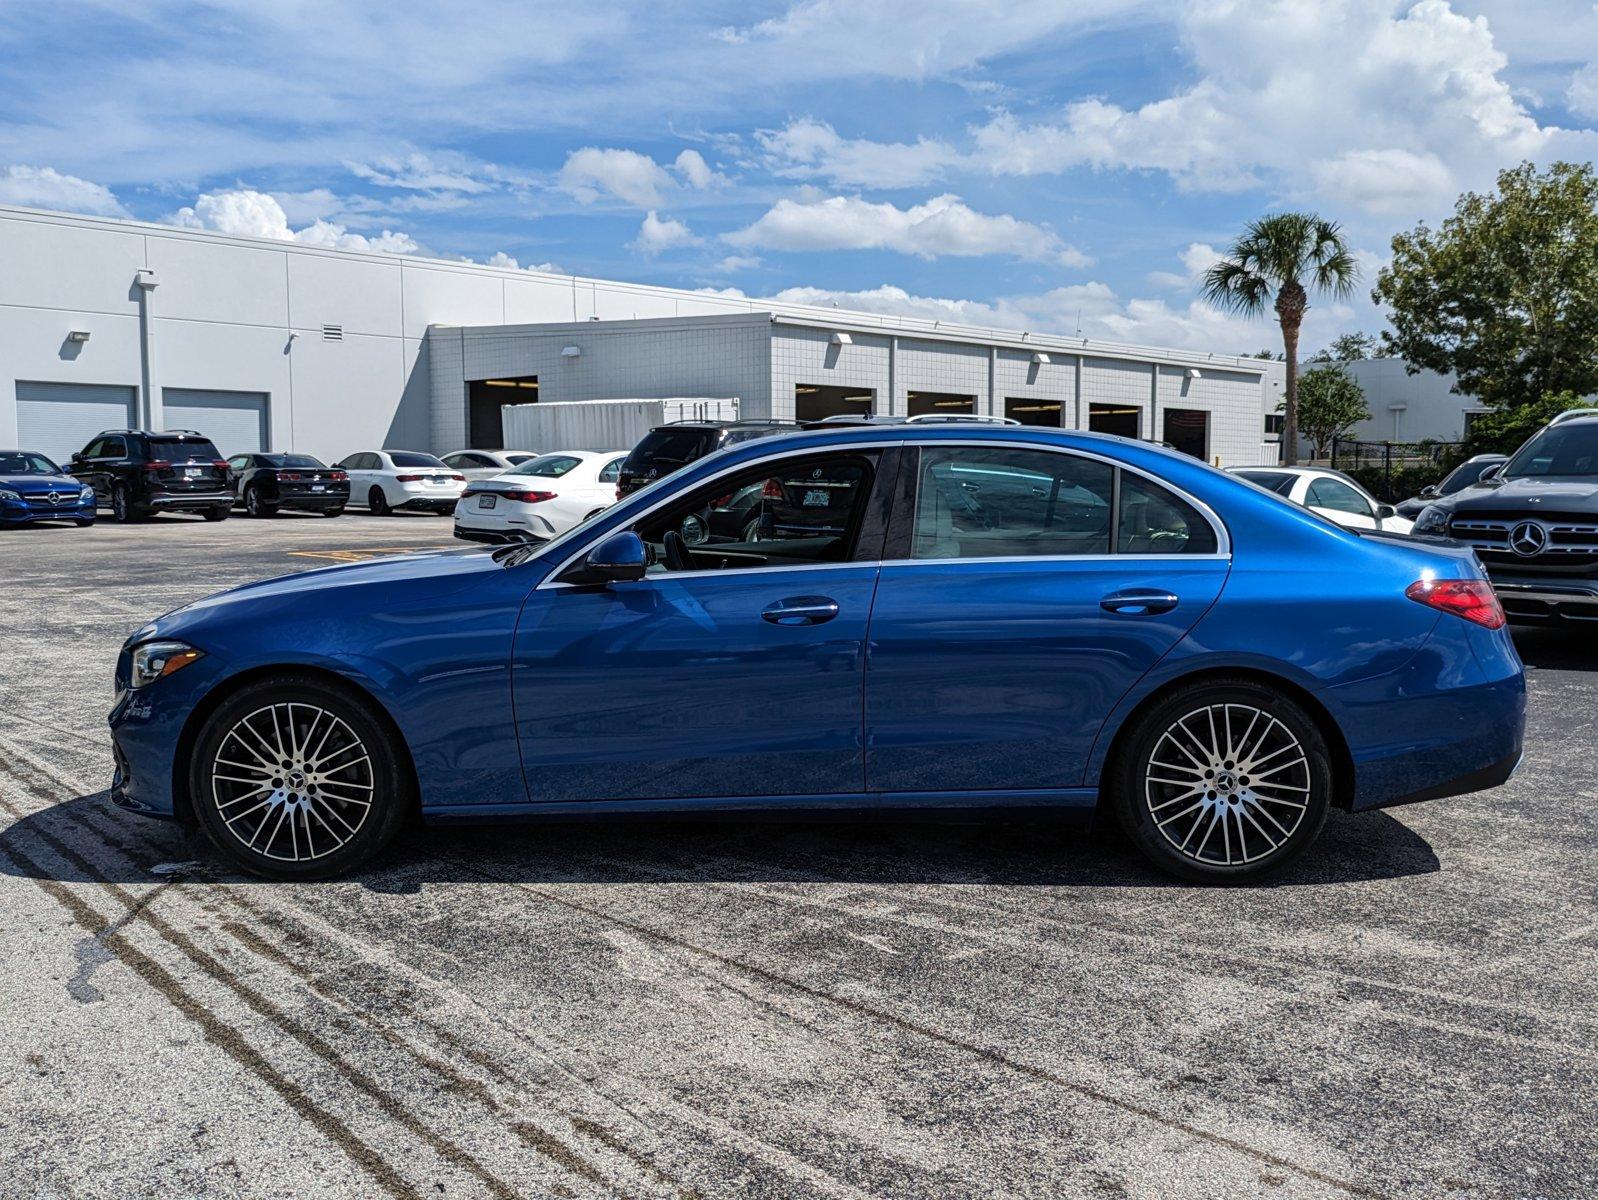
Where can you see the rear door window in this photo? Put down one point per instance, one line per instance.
(1153, 520)
(1006, 502)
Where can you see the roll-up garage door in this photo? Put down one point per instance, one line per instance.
(234, 421)
(59, 419)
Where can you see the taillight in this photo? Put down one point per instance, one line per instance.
(408, 478)
(290, 475)
(529, 497)
(340, 475)
(219, 463)
(458, 478)
(772, 490)
(156, 465)
(1472, 599)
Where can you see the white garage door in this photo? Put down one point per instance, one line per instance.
(59, 419)
(235, 421)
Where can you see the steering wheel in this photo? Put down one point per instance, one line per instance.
(677, 558)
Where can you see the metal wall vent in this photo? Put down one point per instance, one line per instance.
(332, 333)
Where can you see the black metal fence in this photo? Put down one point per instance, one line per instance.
(1393, 471)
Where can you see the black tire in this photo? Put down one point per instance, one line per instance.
(220, 513)
(1176, 782)
(123, 510)
(83, 524)
(255, 506)
(358, 758)
(332, 512)
(377, 501)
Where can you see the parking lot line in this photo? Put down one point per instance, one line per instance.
(357, 554)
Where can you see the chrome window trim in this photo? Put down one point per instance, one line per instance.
(1223, 539)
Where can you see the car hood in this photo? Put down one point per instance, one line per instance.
(39, 485)
(392, 583)
(1563, 493)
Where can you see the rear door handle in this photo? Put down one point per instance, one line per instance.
(1139, 601)
(800, 610)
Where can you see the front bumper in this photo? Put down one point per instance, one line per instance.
(21, 512)
(1543, 598)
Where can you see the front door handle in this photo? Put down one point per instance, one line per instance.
(1139, 601)
(800, 610)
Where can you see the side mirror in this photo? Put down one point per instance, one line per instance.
(1384, 511)
(620, 558)
(1429, 490)
(1491, 472)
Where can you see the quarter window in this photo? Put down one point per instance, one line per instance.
(1156, 521)
(999, 502)
(611, 471)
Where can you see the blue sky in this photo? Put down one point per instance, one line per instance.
(1029, 164)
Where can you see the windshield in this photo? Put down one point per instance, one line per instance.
(183, 450)
(407, 458)
(1279, 482)
(291, 460)
(1558, 450)
(1464, 475)
(669, 447)
(18, 462)
(547, 466)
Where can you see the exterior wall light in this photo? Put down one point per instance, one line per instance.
(842, 339)
(1041, 358)
(571, 351)
(1194, 373)
(78, 335)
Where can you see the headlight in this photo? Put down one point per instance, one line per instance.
(86, 493)
(1433, 519)
(8, 494)
(155, 660)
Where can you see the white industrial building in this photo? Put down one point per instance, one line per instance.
(275, 345)
(1410, 408)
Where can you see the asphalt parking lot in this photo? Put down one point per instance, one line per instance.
(740, 1008)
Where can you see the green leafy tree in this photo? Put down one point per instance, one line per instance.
(1347, 347)
(1275, 264)
(1330, 403)
(1502, 430)
(1505, 294)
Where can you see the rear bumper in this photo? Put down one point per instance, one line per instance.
(432, 504)
(492, 537)
(179, 501)
(317, 503)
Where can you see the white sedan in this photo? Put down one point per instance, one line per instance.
(541, 498)
(485, 464)
(1330, 493)
(387, 480)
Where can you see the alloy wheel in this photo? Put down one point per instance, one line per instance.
(1227, 784)
(292, 782)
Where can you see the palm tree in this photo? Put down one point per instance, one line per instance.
(1276, 258)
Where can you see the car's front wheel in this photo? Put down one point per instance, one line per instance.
(294, 779)
(1223, 781)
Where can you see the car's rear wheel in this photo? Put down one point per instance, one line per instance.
(293, 779)
(377, 501)
(1223, 782)
(122, 508)
(220, 513)
(255, 506)
(333, 512)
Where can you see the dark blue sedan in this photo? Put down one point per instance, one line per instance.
(32, 488)
(913, 617)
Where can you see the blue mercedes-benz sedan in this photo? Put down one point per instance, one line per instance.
(32, 488)
(909, 616)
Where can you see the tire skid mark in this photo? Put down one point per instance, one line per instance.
(220, 1034)
(763, 1152)
(446, 1149)
(779, 895)
(989, 1054)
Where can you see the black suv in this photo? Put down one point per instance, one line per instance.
(668, 448)
(268, 483)
(139, 473)
(1534, 524)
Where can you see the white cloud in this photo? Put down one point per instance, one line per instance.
(500, 259)
(941, 226)
(1392, 113)
(45, 187)
(734, 263)
(635, 178)
(657, 234)
(1196, 259)
(419, 172)
(695, 171)
(244, 212)
(1582, 94)
(1094, 308)
(810, 149)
